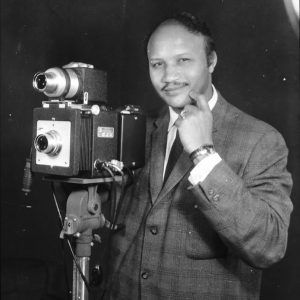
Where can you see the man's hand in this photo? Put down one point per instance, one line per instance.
(195, 124)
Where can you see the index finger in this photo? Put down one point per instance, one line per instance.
(199, 100)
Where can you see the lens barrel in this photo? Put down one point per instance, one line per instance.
(57, 82)
(48, 143)
(40, 81)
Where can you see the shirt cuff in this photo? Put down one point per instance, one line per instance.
(203, 168)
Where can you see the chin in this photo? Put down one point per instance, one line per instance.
(177, 102)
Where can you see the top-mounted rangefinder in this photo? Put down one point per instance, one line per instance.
(83, 85)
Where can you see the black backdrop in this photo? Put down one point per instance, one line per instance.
(257, 71)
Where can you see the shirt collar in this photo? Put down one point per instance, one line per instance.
(211, 103)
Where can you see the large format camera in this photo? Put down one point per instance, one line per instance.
(74, 132)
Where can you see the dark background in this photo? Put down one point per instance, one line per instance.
(257, 71)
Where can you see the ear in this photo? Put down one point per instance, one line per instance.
(212, 61)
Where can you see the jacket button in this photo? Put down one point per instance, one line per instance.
(154, 230)
(210, 191)
(145, 275)
(216, 197)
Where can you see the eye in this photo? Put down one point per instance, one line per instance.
(183, 59)
(156, 65)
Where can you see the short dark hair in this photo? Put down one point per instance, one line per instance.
(193, 25)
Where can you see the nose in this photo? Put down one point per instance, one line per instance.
(170, 74)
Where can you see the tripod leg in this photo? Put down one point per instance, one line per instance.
(80, 291)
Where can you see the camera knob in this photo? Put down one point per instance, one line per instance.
(95, 109)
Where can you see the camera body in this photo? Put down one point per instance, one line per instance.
(72, 138)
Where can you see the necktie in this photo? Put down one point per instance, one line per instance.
(173, 157)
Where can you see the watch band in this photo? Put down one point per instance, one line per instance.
(204, 150)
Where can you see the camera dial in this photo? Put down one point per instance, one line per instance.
(48, 143)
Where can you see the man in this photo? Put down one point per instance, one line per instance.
(206, 226)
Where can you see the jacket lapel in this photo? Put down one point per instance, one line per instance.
(158, 143)
(182, 166)
(219, 112)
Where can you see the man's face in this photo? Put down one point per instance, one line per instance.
(178, 64)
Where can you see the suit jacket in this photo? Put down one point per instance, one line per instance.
(209, 241)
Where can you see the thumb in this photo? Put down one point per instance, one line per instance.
(199, 100)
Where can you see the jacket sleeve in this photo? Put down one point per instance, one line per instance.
(251, 212)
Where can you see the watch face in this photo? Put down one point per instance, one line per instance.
(208, 148)
(203, 151)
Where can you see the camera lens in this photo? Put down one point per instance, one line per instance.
(57, 82)
(42, 142)
(48, 143)
(41, 81)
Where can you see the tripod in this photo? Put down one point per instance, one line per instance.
(83, 215)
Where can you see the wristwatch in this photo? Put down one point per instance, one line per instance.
(202, 152)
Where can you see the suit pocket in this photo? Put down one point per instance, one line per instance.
(202, 242)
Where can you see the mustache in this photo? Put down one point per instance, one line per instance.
(173, 84)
